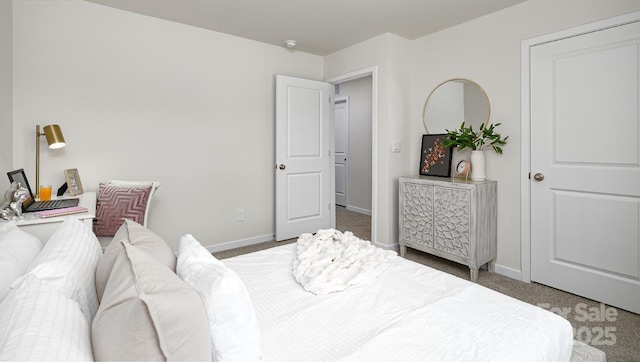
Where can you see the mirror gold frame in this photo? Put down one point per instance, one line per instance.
(453, 122)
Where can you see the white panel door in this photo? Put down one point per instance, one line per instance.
(585, 165)
(341, 122)
(304, 185)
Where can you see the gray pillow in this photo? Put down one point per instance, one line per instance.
(148, 313)
(132, 233)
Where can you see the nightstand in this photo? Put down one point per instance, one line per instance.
(44, 228)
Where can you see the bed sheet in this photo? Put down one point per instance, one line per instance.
(411, 313)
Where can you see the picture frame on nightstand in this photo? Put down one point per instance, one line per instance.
(73, 181)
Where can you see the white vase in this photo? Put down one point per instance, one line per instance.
(477, 166)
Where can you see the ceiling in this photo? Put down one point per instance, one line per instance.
(320, 27)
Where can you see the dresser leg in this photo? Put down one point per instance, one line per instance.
(474, 274)
(403, 250)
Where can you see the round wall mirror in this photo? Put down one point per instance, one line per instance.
(455, 101)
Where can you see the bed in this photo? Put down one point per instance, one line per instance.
(410, 313)
(141, 300)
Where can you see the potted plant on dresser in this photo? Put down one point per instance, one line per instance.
(477, 141)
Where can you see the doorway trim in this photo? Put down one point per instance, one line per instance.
(345, 100)
(525, 125)
(361, 73)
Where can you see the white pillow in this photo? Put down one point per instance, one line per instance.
(39, 324)
(68, 264)
(235, 333)
(17, 250)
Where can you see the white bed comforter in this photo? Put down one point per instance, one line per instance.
(410, 313)
(331, 261)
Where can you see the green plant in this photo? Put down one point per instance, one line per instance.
(467, 137)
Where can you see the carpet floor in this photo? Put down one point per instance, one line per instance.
(612, 330)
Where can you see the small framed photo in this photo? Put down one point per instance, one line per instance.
(435, 159)
(73, 181)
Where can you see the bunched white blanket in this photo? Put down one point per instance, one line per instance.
(330, 261)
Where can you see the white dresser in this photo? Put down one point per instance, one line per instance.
(44, 228)
(453, 219)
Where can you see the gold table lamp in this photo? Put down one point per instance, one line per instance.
(55, 139)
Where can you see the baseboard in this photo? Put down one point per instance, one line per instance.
(508, 272)
(240, 243)
(395, 247)
(359, 210)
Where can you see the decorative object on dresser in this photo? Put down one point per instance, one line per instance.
(435, 159)
(479, 172)
(450, 219)
(463, 168)
(467, 137)
(55, 140)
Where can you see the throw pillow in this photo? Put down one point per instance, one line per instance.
(234, 329)
(146, 240)
(39, 324)
(115, 203)
(17, 250)
(68, 262)
(148, 314)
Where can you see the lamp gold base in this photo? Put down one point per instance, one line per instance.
(55, 139)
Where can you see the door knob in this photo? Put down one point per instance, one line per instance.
(282, 167)
(538, 176)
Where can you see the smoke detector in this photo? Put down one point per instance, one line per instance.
(290, 43)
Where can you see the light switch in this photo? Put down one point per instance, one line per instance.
(395, 148)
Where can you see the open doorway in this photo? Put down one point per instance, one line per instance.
(354, 155)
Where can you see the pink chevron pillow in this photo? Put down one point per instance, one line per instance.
(118, 203)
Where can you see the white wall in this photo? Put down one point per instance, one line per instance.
(359, 159)
(391, 54)
(487, 51)
(6, 127)
(141, 98)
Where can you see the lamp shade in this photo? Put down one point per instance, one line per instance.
(54, 136)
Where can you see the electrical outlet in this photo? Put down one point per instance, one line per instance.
(240, 214)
